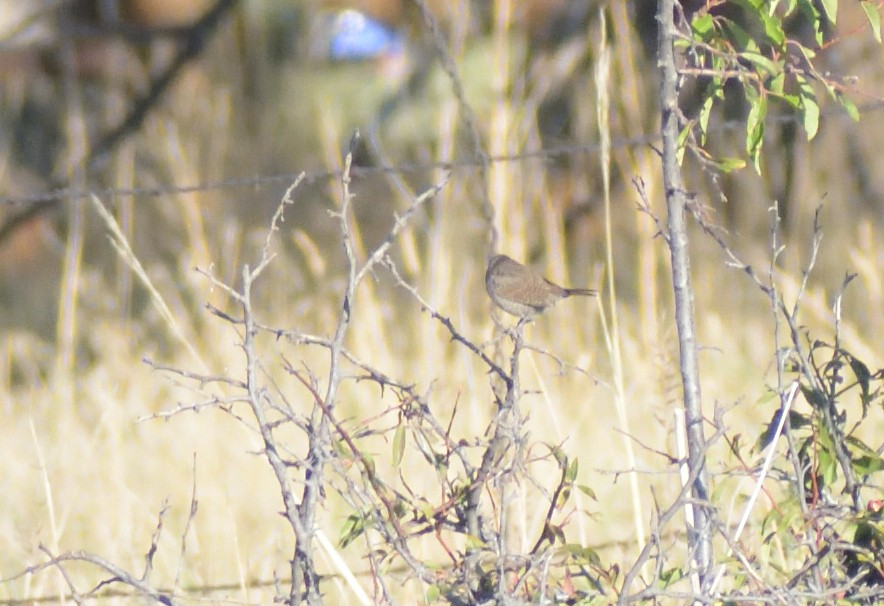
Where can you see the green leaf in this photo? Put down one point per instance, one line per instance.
(703, 118)
(742, 40)
(828, 467)
(432, 594)
(671, 575)
(368, 460)
(827, 464)
(790, 7)
(798, 420)
(765, 12)
(777, 84)
(474, 542)
(399, 507)
(353, 528)
(563, 497)
(773, 27)
(703, 26)
(582, 554)
(814, 397)
(571, 474)
(868, 464)
(874, 18)
(831, 8)
(729, 165)
(587, 491)
(755, 126)
(398, 445)
(863, 376)
(682, 43)
(555, 533)
(808, 53)
(793, 100)
(427, 511)
(682, 138)
(813, 15)
(559, 455)
(440, 463)
(811, 117)
(714, 90)
(848, 106)
(810, 110)
(762, 63)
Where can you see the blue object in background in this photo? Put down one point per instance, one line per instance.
(356, 36)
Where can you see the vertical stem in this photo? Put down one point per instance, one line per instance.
(699, 535)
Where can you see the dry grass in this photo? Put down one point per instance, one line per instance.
(80, 470)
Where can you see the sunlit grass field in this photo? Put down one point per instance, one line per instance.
(91, 459)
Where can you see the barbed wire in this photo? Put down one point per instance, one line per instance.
(314, 176)
(545, 154)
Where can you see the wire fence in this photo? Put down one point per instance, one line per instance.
(546, 154)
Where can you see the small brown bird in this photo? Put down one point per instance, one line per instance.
(521, 291)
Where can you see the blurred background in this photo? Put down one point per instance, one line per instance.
(189, 119)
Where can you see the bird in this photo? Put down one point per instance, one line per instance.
(521, 291)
